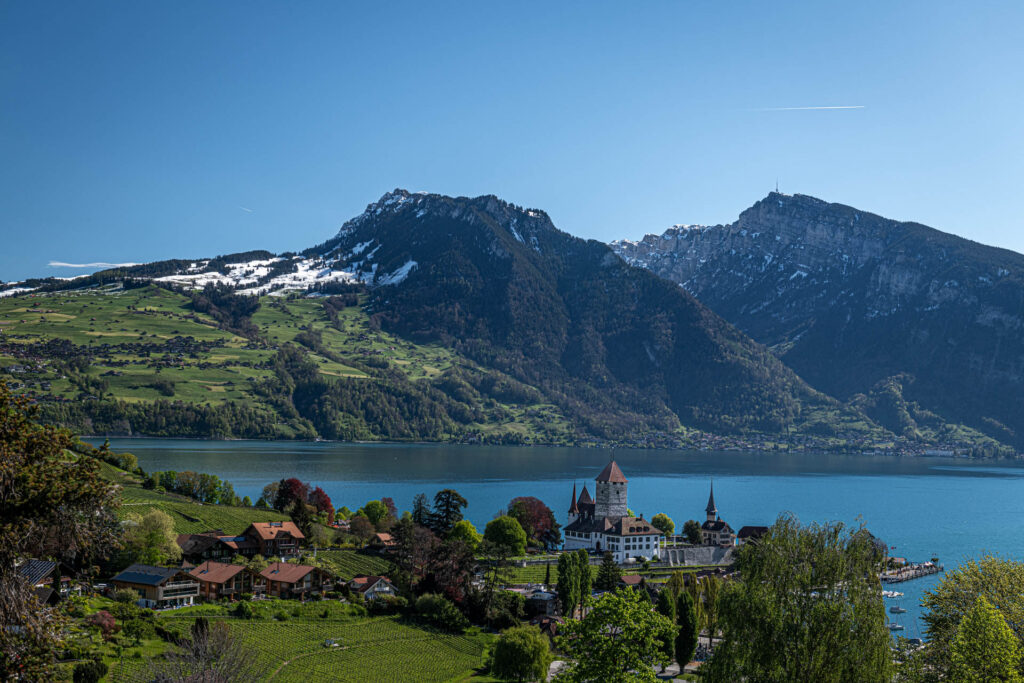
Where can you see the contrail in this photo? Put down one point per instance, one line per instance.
(62, 264)
(844, 106)
(245, 209)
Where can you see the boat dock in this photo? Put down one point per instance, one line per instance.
(913, 571)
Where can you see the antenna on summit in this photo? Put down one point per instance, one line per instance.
(776, 186)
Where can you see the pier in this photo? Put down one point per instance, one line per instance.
(913, 571)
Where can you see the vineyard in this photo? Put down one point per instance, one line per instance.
(349, 563)
(368, 649)
(191, 517)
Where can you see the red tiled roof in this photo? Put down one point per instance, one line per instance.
(286, 572)
(268, 531)
(612, 473)
(216, 572)
(585, 498)
(365, 583)
(632, 579)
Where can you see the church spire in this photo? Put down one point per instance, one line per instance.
(711, 509)
(573, 508)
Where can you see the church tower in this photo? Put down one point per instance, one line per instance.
(610, 499)
(711, 509)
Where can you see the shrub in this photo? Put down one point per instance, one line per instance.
(90, 671)
(104, 621)
(125, 596)
(388, 604)
(441, 612)
(521, 654)
(243, 610)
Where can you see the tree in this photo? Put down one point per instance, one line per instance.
(666, 606)
(999, 581)
(104, 621)
(537, 520)
(521, 654)
(620, 640)
(441, 612)
(663, 523)
(290, 491)
(421, 512)
(213, 653)
(506, 531)
(465, 531)
(586, 579)
(547, 573)
(322, 502)
(375, 511)
(361, 528)
(807, 607)
(568, 587)
(985, 649)
(609, 573)
(52, 504)
(691, 530)
(448, 506)
(686, 618)
(153, 539)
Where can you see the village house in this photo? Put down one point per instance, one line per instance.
(158, 587)
(214, 545)
(45, 579)
(287, 580)
(748, 534)
(382, 541)
(603, 524)
(372, 587)
(714, 531)
(276, 539)
(221, 580)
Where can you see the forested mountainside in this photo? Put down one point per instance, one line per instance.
(916, 327)
(425, 317)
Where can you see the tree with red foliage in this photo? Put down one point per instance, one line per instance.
(537, 520)
(104, 621)
(290, 491)
(389, 503)
(322, 502)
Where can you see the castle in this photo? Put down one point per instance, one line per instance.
(603, 524)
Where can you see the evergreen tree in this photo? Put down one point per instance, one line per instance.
(421, 512)
(448, 506)
(568, 588)
(547, 573)
(686, 618)
(609, 573)
(985, 648)
(585, 579)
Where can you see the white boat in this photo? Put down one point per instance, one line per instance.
(893, 626)
(896, 609)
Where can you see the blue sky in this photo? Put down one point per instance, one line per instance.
(134, 131)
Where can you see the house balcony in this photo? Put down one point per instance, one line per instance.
(180, 589)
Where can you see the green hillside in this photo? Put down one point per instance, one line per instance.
(108, 360)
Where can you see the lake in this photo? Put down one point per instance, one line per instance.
(923, 506)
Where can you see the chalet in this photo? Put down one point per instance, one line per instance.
(45, 579)
(631, 581)
(158, 586)
(275, 539)
(287, 580)
(382, 541)
(603, 524)
(221, 580)
(214, 545)
(748, 534)
(714, 531)
(371, 587)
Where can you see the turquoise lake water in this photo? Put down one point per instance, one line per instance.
(924, 506)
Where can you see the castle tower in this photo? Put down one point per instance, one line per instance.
(711, 509)
(574, 510)
(610, 498)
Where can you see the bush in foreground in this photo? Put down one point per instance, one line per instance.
(521, 654)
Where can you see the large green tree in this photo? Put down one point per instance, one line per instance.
(999, 581)
(691, 529)
(53, 504)
(608, 574)
(522, 653)
(465, 531)
(807, 607)
(985, 649)
(686, 618)
(151, 538)
(619, 641)
(448, 504)
(506, 531)
(663, 523)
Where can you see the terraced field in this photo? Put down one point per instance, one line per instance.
(349, 563)
(191, 517)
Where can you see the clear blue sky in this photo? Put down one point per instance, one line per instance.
(134, 131)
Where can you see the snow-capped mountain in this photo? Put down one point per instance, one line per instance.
(850, 299)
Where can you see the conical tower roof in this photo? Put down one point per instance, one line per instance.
(612, 473)
(585, 496)
(573, 508)
(711, 509)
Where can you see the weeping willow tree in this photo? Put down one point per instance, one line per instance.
(807, 606)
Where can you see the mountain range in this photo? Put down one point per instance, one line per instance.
(803, 322)
(915, 326)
